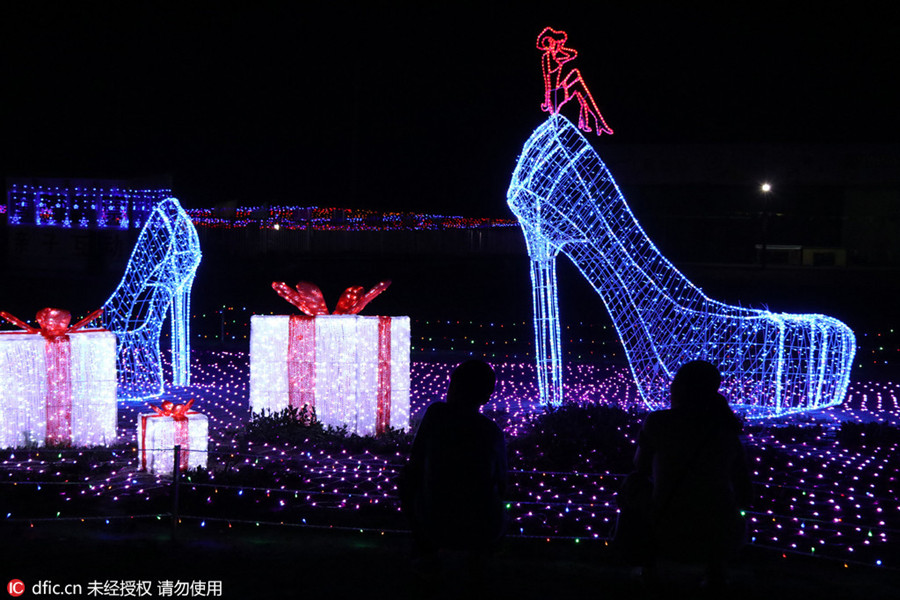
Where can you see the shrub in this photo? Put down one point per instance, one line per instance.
(301, 427)
(579, 437)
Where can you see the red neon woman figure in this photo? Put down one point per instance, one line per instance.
(572, 85)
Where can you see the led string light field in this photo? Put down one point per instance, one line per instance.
(816, 494)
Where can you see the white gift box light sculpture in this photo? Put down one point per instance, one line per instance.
(58, 390)
(567, 201)
(158, 433)
(353, 370)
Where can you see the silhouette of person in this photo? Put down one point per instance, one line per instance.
(693, 454)
(454, 482)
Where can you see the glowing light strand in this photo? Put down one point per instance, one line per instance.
(100, 204)
(567, 201)
(335, 219)
(159, 275)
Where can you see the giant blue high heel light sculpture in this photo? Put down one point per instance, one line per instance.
(567, 201)
(159, 274)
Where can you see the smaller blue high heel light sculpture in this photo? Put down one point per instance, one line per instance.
(159, 274)
(567, 201)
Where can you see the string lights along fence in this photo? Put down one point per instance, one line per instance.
(567, 201)
(82, 204)
(159, 275)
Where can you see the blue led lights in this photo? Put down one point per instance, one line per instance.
(567, 201)
(81, 204)
(160, 272)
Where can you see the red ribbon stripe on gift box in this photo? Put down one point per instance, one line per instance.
(302, 342)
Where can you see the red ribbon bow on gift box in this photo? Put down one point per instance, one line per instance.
(179, 412)
(53, 322)
(309, 299)
(302, 343)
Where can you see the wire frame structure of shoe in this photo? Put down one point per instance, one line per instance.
(158, 277)
(567, 201)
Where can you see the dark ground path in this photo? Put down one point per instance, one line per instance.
(301, 563)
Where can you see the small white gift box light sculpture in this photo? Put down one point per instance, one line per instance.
(168, 426)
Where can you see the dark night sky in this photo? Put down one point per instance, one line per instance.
(382, 106)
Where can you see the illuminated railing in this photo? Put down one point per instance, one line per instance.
(81, 204)
(334, 219)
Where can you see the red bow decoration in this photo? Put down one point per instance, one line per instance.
(309, 299)
(53, 322)
(178, 412)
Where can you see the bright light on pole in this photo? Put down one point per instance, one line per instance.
(766, 188)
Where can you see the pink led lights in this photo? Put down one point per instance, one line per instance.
(570, 85)
(309, 299)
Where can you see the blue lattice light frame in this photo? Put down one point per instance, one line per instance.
(567, 201)
(159, 275)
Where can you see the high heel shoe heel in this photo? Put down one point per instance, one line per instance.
(159, 274)
(567, 201)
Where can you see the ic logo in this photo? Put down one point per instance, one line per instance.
(15, 588)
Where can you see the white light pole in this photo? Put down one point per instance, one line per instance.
(765, 188)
